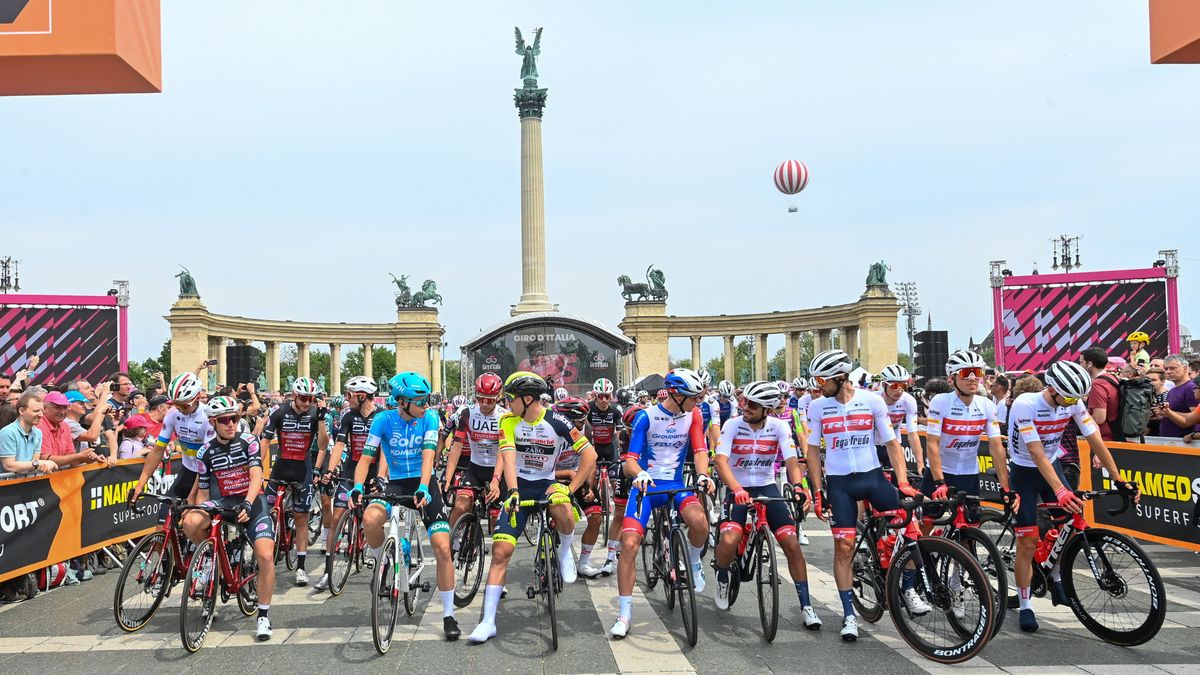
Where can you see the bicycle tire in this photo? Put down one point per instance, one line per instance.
(735, 579)
(1101, 539)
(767, 581)
(416, 557)
(669, 574)
(468, 560)
(292, 555)
(989, 558)
(866, 583)
(999, 529)
(941, 555)
(316, 512)
(192, 633)
(247, 592)
(683, 586)
(606, 504)
(385, 608)
(547, 582)
(342, 558)
(533, 525)
(649, 551)
(151, 549)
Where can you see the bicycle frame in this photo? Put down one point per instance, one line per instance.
(231, 580)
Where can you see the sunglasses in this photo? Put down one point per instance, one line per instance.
(226, 419)
(604, 396)
(182, 405)
(304, 398)
(822, 380)
(751, 405)
(897, 385)
(486, 399)
(1069, 400)
(976, 373)
(423, 401)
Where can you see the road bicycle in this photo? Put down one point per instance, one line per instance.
(398, 572)
(468, 552)
(151, 570)
(665, 558)
(316, 511)
(755, 560)
(547, 578)
(349, 548)
(954, 524)
(280, 495)
(605, 491)
(1108, 581)
(890, 554)
(217, 567)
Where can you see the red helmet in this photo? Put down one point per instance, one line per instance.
(573, 407)
(489, 385)
(630, 413)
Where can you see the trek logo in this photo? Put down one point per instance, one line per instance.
(963, 427)
(103, 496)
(11, 9)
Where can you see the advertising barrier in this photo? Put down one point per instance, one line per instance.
(56, 517)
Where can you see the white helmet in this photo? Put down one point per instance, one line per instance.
(361, 384)
(185, 387)
(894, 373)
(642, 393)
(603, 386)
(725, 387)
(222, 405)
(766, 394)
(305, 386)
(705, 377)
(800, 384)
(830, 363)
(1069, 379)
(560, 394)
(546, 398)
(964, 359)
(683, 381)
(784, 387)
(459, 401)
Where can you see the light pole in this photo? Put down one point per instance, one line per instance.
(10, 275)
(1062, 246)
(907, 294)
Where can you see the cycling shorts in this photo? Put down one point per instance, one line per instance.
(968, 483)
(1028, 482)
(260, 526)
(636, 522)
(296, 472)
(607, 452)
(586, 499)
(508, 529)
(433, 514)
(185, 479)
(779, 518)
(620, 483)
(475, 475)
(844, 493)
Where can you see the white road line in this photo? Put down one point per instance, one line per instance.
(649, 647)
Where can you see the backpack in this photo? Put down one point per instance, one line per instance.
(1135, 398)
(52, 576)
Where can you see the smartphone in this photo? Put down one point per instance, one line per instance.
(210, 362)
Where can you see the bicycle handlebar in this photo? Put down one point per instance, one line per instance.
(1092, 495)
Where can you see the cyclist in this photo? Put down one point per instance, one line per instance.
(850, 421)
(662, 437)
(902, 411)
(188, 421)
(726, 405)
(745, 460)
(351, 438)
(1138, 356)
(1037, 421)
(407, 437)
(793, 420)
(333, 423)
(709, 411)
(803, 395)
(586, 498)
(478, 437)
(604, 417)
(231, 476)
(296, 425)
(532, 440)
(797, 387)
(560, 394)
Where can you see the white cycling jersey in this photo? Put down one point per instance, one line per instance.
(850, 431)
(752, 452)
(193, 431)
(1032, 418)
(958, 427)
(902, 413)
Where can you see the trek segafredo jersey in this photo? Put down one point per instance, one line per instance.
(850, 431)
(1033, 419)
(753, 452)
(959, 427)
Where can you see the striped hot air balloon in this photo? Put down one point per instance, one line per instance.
(791, 177)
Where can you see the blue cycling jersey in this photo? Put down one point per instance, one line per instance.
(403, 441)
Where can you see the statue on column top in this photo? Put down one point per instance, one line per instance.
(529, 54)
(187, 285)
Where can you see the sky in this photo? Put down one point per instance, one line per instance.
(301, 151)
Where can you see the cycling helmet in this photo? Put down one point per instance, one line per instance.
(603, 386)
(561, 394)
(662, 394)
(800, 384)
(573, 407)
(895, 373)
(185, 387)
(725, 387)
(705, 377)
(525, 383)
(643, 393)
(683, 381)
(1138, 336)
(304, 386)
(361, 384)
(766, 394)
(337, 402)
(628, 415)
(783, 386)
(546, 399)
(964, 359)
(410, 385)
(459, 401)
(830, 363)
(1069, 379)
(222, 405)
(489, 385)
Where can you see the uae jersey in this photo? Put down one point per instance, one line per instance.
(479, 434)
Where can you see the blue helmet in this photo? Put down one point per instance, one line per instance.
(683, 381)
(409, 385)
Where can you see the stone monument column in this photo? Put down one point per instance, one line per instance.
(272, 359)
(530, 102)
(730, 366)
(302, 359)
(335, 368)
(368, 366)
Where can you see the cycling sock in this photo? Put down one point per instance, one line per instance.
(908, 580)
(723, 575)
(263, 609)
(375, 551)
(300, 560)
(613, 547)
(585, 551)
(324, 536)
(694, 554)
(847, 597)
(802, 593)
(564, 545)
(447, 603)
(626, 604)
(491, 600)
(1023, 593)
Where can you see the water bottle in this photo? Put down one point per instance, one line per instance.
(1045, 546)
(407, 548)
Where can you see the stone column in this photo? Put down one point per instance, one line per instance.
(696, 364)
(335, 368)
(435, 366)
(368, 366)
(642, 324)
(730, 360)
(530, 103)
(822, 341)
(399, 357)
(302, 359)
(850, 341)
(791, 355)
(189, 335)
(760, 356)
(272, 358)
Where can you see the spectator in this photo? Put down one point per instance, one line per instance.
(1180, 399)
(1193, 368)
(1103, 399)
(156, 409)
(1158, 379)
(122, 389)
(1191, 419)
(1161, 365)
(21, 440)
(5, 388)
(133, 438)
(137, 403)
(11, 399)
(57, 444)
(999, 392)
(76, 409)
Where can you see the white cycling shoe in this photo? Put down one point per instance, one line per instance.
(264, 629)
(566, 566)
(811, 620)
(915, 603)
(801, 536)
(850, 628)
(588, 571)
(698, 581)
(608, 568)
(301, 577)
(620, 628)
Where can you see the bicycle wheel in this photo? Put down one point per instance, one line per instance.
(649, 549)
(767, 578)
(980, 545)
(549, 562)
(342, 556)
(866, 580)
(604, 494)
(948, 632)
(1000, 530)
(1113, 588)
(670, 576)
(247, 596)
(291, 558)
(198, 601)
(385, 596)
(416, 566)
(682, 584)
(143, 582)
(533, 524)
(468, 559)
(316, 514)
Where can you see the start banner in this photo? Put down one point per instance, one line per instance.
(48, 519)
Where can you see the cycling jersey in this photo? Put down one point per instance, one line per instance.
(539, 444)
(227, 464)
(353, 433)
(604, 426)
(296, 431)
(903, 414)
(802, 403)
(660, 441)
(752, 452)
(794, 423)
(1031, 418)
(193, 431)
(404, 442)
(850, 431)
(958, 426)
(708, 414)
(479, 434)
(726, 409)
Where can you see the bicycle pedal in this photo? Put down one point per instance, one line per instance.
(530, 592)
(425, 587)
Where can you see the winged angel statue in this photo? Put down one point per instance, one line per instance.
(529, 73)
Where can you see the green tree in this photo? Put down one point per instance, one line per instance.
(453, 379)
(743, 363)
(383, 363)
(679, 363)
(906, 362)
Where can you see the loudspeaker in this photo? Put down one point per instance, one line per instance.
(241, 364)
(932, 353)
